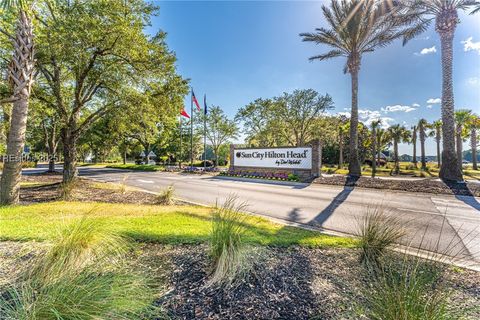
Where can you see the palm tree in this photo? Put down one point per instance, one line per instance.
(21, 72)
(342, 129)
(356, 27)
(422, 127)
(445, 14)
(383, 139)
(375, 125)
(462, 118)
(414, 142)
(398, 134)
(437, 125)
(474, 124)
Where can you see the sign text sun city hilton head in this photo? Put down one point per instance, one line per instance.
(287, 158)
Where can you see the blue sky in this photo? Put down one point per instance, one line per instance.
(238, 51)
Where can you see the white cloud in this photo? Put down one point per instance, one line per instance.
(434, 101)
(368, 116)
(429, 106)
(415, 105)
(397, 108)
(469, 45)
(473, 81)
(425, 51)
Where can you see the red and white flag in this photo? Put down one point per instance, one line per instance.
(194, 99)
(184, 113)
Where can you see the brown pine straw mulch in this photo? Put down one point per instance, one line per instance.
(46, 187)
(415, 186)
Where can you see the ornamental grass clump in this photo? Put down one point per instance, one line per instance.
(409, 288)
(80, 276)
(226, 247)
(377, 232)
(166, 197)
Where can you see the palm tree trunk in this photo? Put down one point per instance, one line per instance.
(438, 138)
(21, 72)
(450, 169)
(422, 148)
(459, 142)
(395, 151)
(374, 151)
(340, 157)
(353, 162)
(473, 144)
(414, 142)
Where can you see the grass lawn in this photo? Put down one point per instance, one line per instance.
(149, 223)
(139, 167)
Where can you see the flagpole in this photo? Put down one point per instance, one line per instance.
(205, 133)
(181, 140)
(191, 129)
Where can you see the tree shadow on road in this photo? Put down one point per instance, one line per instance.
(463, 193)
(323, 216)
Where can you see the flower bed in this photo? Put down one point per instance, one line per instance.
(282, 176)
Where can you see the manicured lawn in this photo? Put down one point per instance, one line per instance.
(149, 223)
(140, 167)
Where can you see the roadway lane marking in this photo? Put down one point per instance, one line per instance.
(440, 214)
(145, 181)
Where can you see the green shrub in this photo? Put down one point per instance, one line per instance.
(293, 177)
(377, 232)
(79, 277)
(226, 248)
(166, 197)
(409, 289)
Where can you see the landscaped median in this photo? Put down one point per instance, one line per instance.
(150, 223)
(138, 167)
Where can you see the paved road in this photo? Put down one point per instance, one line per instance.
(455, 220)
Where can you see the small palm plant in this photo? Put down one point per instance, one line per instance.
(422, 130)
(355, 28)
(398, 134)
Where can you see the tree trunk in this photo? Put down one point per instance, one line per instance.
(374, 151)
(459, 142)
(353, 162)
(21, 73)
(473, 144)
(125, 156)
(450, 169)
(414, 142)
(340, 150)
(438, 138)
(395, 151)
(422, 147)
(69, 140)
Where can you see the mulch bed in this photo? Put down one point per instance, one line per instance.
(49, 189)
(420, 185)
(293, 283)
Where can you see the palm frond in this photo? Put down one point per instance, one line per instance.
(329, 55)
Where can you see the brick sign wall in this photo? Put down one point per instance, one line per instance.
(305, 162)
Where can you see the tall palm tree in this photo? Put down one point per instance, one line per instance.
(414, 142)
(375, 124)
(422, 127)
(437, 126)
(21, 72)
(342, 129)
(474, 124)
(355, 28)
(445, 14)
(383, 139)
(398, 134)
(462, 118)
